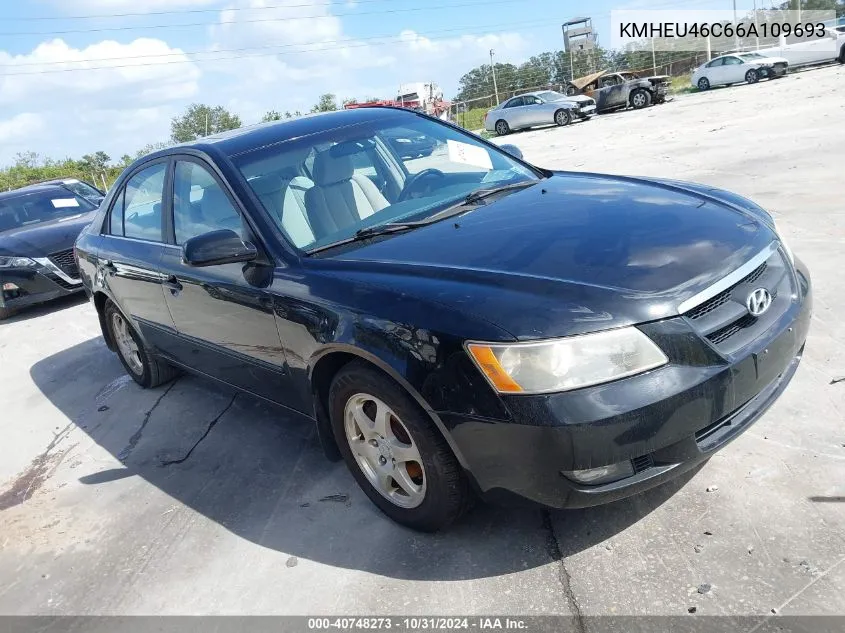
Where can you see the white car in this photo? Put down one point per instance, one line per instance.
(804, 52)
(543, 107)
(737, 68)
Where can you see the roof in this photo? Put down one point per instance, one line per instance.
(30, 189)
(245, 139)
(582, 82)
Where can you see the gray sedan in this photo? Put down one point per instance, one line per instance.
(537, 108)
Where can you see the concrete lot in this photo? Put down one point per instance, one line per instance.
(185, 499)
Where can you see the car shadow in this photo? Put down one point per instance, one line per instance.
(40, 309)
(259, 472)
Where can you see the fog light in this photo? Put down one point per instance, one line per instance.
(10, 287)
(600, 475)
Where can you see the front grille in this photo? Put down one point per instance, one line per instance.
(66, 262)
(723, 297)
(724, 321)
(61, 282)
(642, 463)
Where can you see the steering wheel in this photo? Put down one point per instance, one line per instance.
(415, 180)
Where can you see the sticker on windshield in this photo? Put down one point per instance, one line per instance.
(64, 203)
(469, 154)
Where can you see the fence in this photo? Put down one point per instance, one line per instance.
(469, 113)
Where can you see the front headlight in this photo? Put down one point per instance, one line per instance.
(783, 243)
(17, 262)
(566, 363)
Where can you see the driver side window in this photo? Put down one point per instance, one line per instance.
(200, 205)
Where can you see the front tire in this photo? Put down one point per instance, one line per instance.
(752, 76)
(563, 118)
(704, 84)
(145, 369)
(502, 128)
(393, 450)
(640, 98)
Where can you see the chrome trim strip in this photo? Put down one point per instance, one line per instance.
(46, 263)
(729, 280)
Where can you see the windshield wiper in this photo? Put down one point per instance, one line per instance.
(480, 194)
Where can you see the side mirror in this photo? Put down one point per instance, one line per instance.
(217, 247)
(513, 150)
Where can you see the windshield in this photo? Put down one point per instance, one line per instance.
(551, 95)
(85, 190)
(40, 206)
(326, 187)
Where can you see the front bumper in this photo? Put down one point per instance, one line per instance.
(35, 285)
(666, 421)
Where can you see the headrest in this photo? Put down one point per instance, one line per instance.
(329, 169)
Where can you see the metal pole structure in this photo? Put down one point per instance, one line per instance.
(653, 59)
(799, 10)
(206, 123)
(736, 37)
(756, 27)
(493, 69)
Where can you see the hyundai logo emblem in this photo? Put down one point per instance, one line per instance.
(758, 302)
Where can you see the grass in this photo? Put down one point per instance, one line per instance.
(681, 85)
(471, 119)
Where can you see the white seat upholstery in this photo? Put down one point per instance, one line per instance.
(339, 197)
(294, 221)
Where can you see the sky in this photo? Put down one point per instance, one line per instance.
(77, 76)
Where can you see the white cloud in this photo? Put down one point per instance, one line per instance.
(52, 72)
(128, 6)
(20, 127)
(119, 108)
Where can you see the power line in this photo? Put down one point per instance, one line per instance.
(304, 17)
(542, 24)
(271, 46)
(172, 12)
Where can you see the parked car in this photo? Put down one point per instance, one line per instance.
(545, 107)
(482, 326)
(617, 90)
(736, 68)
(77, 187)
(38, 226)
(801, 51)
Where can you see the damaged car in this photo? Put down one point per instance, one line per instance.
(737, 68)
(619, 90)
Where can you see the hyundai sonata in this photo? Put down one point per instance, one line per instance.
(458, 324)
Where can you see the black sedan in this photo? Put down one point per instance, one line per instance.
(38, 226)
(478, 327)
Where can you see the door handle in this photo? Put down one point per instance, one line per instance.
(172, 284)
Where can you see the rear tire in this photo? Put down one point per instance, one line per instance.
(640, 98)
(571, 91)
(5, 313)
(359, 397)
(752, 76)
(502, 128)
(145, 369)
(704, 84)
(563, 117)
(842, 55)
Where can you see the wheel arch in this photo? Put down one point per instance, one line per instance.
(100, 300)
(324, 366)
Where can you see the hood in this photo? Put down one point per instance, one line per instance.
(574, 253)
(581, 82)
(39, 240)
(574, 99)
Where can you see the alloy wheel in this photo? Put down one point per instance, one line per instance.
(126, 345)
(384, 450)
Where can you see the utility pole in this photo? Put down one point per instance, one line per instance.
(736, 37)
(653, 58)
(756, 27)
(493, 70)
(799, 10)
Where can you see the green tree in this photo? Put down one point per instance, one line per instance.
(149, 148)
(272, 115)
(326, 103)
(350, 101)
(201, 120)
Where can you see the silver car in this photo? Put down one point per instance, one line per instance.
(543, 107)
